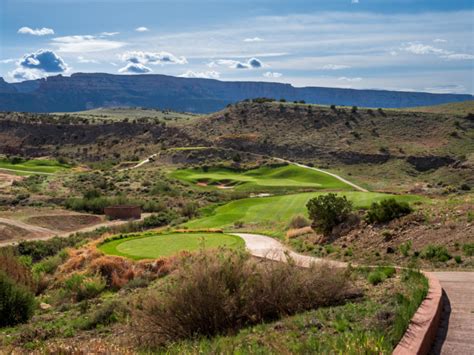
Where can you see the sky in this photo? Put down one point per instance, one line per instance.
(408, 45)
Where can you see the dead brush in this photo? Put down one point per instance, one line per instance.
(15, 270)
(293, 233)
(219, 293)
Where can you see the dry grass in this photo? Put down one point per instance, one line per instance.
(296, 232)
(15, 270)
(212, 294)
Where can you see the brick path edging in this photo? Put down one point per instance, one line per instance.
(424, 324)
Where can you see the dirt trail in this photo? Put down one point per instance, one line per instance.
(456, 331)
(26, 226)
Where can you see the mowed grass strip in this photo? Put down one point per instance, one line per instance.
(263, 178)
(275, 212)
(155, 245)
(34, 166)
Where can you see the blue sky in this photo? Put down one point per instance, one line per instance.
(422, 45)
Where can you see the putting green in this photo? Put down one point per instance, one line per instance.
(155, 245)
(274, 213)
(288, 177)
(34, 166)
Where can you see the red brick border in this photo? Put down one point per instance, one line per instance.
(423, 327)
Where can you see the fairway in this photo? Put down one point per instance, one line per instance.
(34, 166)
(155, 245)
(288, 177)
(274, 213)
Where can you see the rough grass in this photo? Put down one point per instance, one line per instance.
(34, 166)
(265, 178)
(275, 212)
(154, 245)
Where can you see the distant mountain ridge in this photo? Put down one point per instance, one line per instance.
(82, 91)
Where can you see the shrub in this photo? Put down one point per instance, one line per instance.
(468, 249)
(17, 303)
(15, 269)
(405, 248)
(82, 288)
(105, 315)
(328, 211)
(387, 210)
(458, 259)
(435, 253)
(380, 274)
(213, 294)
(299, 221)
(116, 271)
(158, 220)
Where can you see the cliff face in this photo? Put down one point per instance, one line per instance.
(86, 91)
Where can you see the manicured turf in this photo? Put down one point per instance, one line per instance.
(155, 245)
(274, 213)
(264, 178)
(34, 166)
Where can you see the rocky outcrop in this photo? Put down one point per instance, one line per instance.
(425, 163)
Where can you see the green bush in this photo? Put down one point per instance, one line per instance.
(328, 211)
(17, 303)
(468, 249)
(380, 274)
(436, 253)
(81, 288)
(405, 248)
(158, 220)
(105, 315)
(387, 210)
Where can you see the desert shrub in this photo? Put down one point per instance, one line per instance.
(468, 249)
(107, 314)
(299, 221)
(81, 288)
(40, 249)
(158, 220)
(380, 274)
(328, 211)
(15, 269)
(48, 265)
(17, 303)
(435, 253)
(458, 259)
(116, 271)
(405, 248)
(214, 294)
(190, 210)
(387, 210)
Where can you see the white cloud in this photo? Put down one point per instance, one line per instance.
(204, 75)
(439, 40)
(354, 1)
(252, 63)
(22, 74)
(7, 61)
(109, 34)
(334, 67)
(350, 80)
(142, 29)
(83, 60)
(152, 58)
(37, 31)
(253, 39)
(423, 49)
(44, 60)
(84, 44)
(270, 74)
(446, 89)
(134, 68)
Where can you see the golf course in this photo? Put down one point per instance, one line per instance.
(33, 166)
(155, 245)
(265, 178)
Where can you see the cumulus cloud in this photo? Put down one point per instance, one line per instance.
(203, 75)
(37, 31)
(253, 39)
(7, 61)
(134, 68)
(38, 65)
(425, 49)
(142, 29)
(252, 63)
(84, 44)
(350, 80)
(44, 60)
(270, 74)
(139, 57)
(334, 67)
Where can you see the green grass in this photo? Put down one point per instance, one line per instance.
(35, 166)
(274, 213)
(155, 245)
(265, 178)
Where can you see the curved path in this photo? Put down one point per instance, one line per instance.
(456, 332)
(269, 248)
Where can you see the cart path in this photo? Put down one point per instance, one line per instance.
(456, 332)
